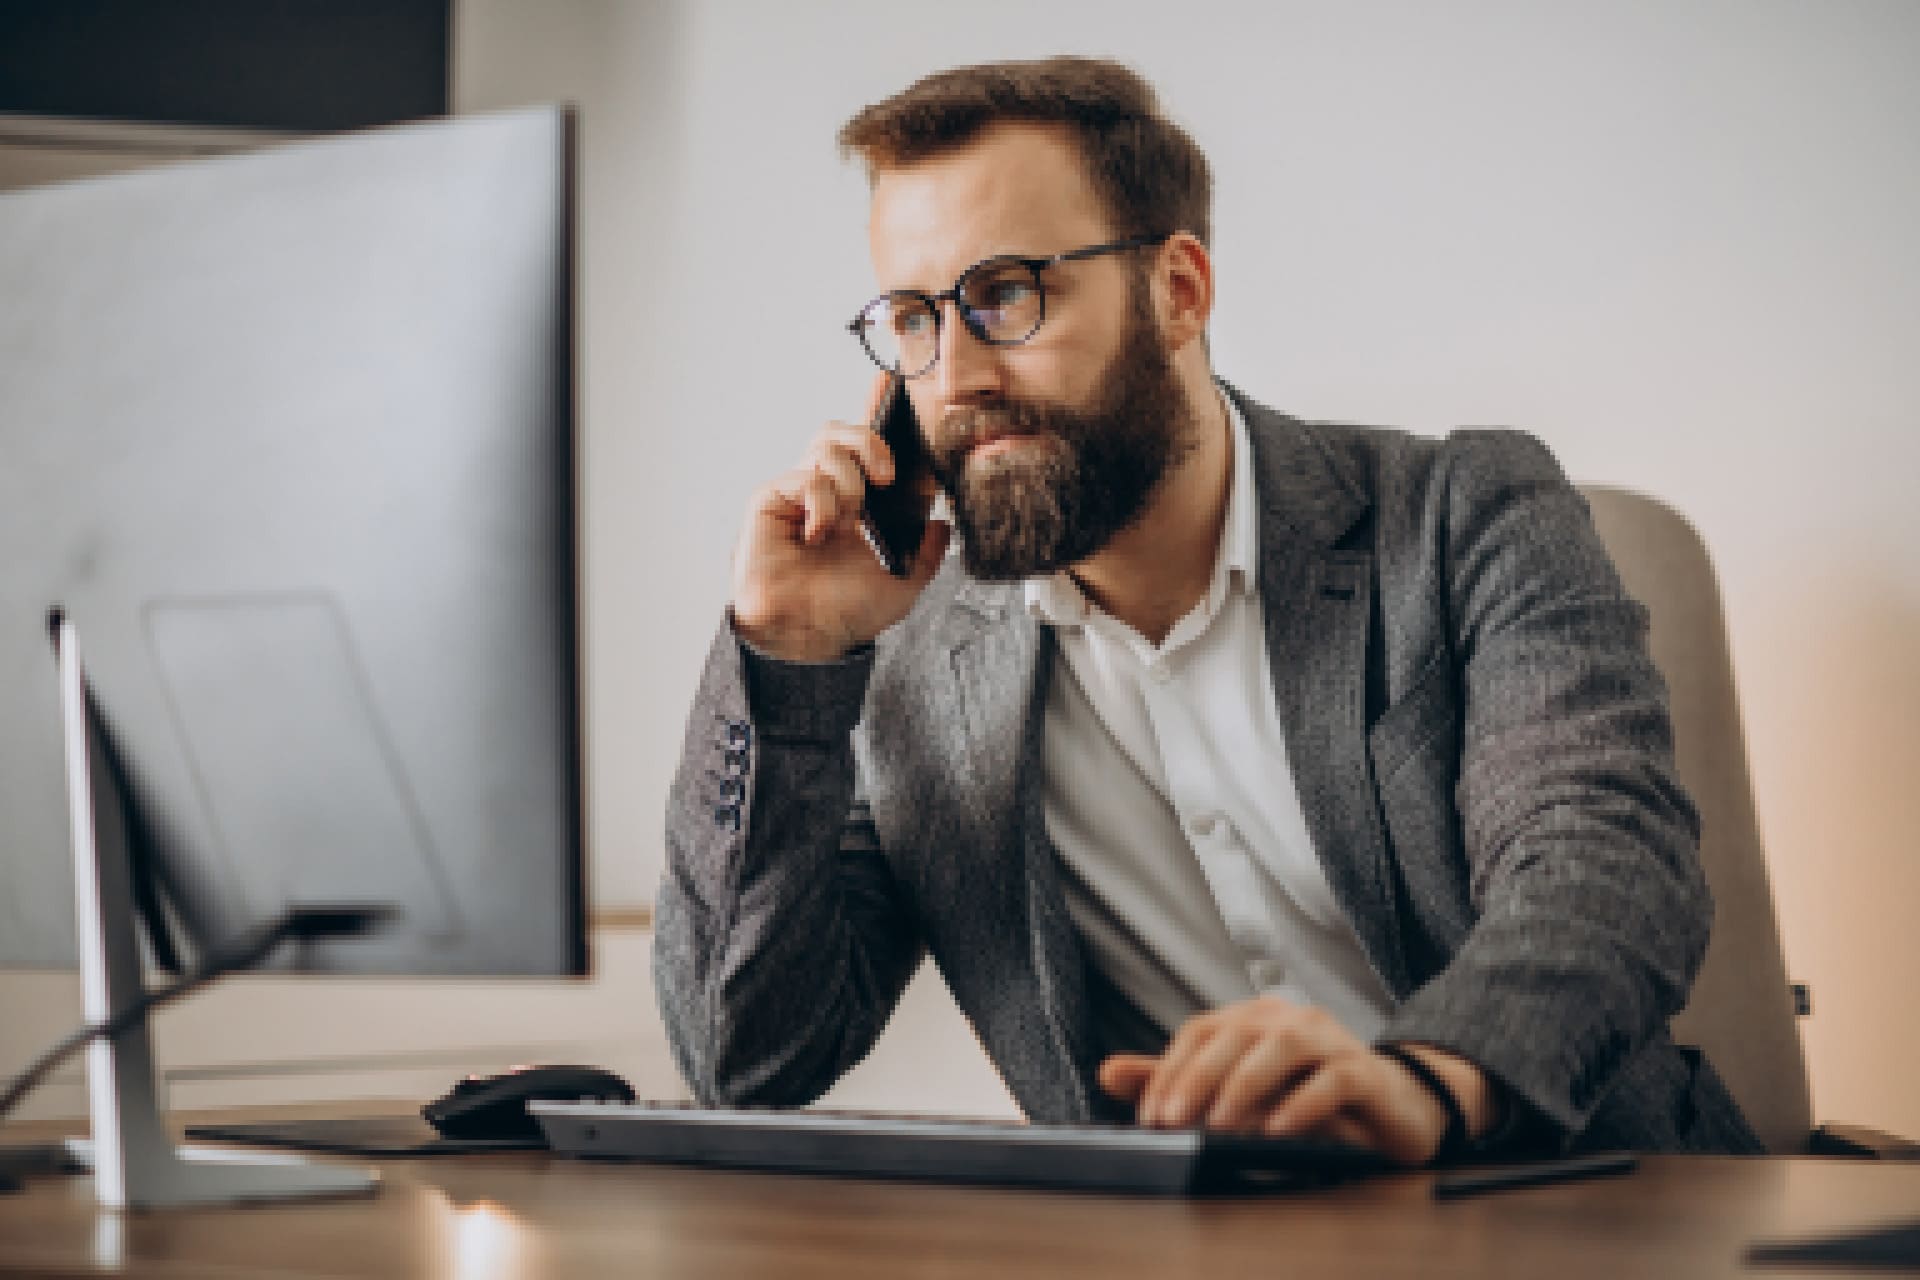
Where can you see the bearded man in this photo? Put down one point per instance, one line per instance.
(1236, 771)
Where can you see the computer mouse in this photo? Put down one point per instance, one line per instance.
(495, 1106)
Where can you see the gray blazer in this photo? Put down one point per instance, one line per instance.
(1479, 739)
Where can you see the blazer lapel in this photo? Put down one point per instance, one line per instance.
(993, 652)
(1317, 600)
(1001, 660)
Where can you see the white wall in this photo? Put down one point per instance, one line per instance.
(1676, 238)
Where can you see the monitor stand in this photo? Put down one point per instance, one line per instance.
(135, 1163)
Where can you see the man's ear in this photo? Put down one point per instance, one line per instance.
(1183, 289)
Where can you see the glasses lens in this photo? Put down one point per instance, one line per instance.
(1002, 301)
(901, 332)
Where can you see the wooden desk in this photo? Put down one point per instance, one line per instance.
(497, 1217)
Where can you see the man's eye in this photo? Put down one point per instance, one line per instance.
(1002, 294)
(912, 322)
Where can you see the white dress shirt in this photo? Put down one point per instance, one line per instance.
(1189, 868)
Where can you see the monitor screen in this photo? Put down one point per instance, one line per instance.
(288, 436)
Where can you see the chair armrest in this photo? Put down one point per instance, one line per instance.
(1861, 1142)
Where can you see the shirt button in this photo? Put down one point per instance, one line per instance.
(1158, 673)
(1215, 828)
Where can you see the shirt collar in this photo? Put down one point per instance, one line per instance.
(1240, 540)
(1055, 598)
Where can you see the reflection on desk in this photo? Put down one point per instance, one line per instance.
(534, 1215)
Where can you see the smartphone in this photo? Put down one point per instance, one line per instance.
(895, 518)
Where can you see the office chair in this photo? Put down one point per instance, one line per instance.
(1743, 1009)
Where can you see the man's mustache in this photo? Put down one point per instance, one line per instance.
(964, 430)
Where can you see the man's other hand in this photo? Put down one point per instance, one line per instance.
(1268, 1066)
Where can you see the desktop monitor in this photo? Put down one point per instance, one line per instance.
(287, 437)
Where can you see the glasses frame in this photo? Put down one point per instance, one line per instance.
(858, 326)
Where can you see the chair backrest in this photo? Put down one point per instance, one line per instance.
(1741, 1012)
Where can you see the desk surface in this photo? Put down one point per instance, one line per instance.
(504, 1216)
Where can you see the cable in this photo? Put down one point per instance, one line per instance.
(301, 924)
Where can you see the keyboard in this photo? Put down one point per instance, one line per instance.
(945, 1149)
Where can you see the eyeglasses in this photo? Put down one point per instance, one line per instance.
(1002, 301)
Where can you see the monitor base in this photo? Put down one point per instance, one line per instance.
(191, 1175)
(134, 1161)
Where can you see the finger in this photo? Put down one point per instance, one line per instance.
(1193, 1085)
(1341, 1126)
(1345, 1129)
(867, 448)
(1329, 1088)
(1187, 1041)
(1358, 1094)
(1295, 1039)
(1124, 1075)
(1271, 1068)
(789, 486)
(782, 505)
(823, 506)
(838, 464)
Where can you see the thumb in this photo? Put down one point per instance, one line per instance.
(877, 392)
(932, 553)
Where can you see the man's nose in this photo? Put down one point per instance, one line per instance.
(967, 370)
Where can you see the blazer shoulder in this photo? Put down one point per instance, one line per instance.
(1405, 497)
(1382, 459)
(1355, 450)
(1410, 482)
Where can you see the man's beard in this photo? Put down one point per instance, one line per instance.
(1051, 502)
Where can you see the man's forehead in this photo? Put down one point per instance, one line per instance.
(1014, 189)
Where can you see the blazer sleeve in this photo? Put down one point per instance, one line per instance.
(781, 945)
(1591, 909)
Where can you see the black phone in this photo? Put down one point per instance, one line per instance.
(896, 514)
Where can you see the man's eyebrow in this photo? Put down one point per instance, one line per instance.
(1015, 255)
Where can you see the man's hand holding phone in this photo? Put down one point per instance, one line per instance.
(807, 586)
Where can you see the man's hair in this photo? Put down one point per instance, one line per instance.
(1149, 174)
